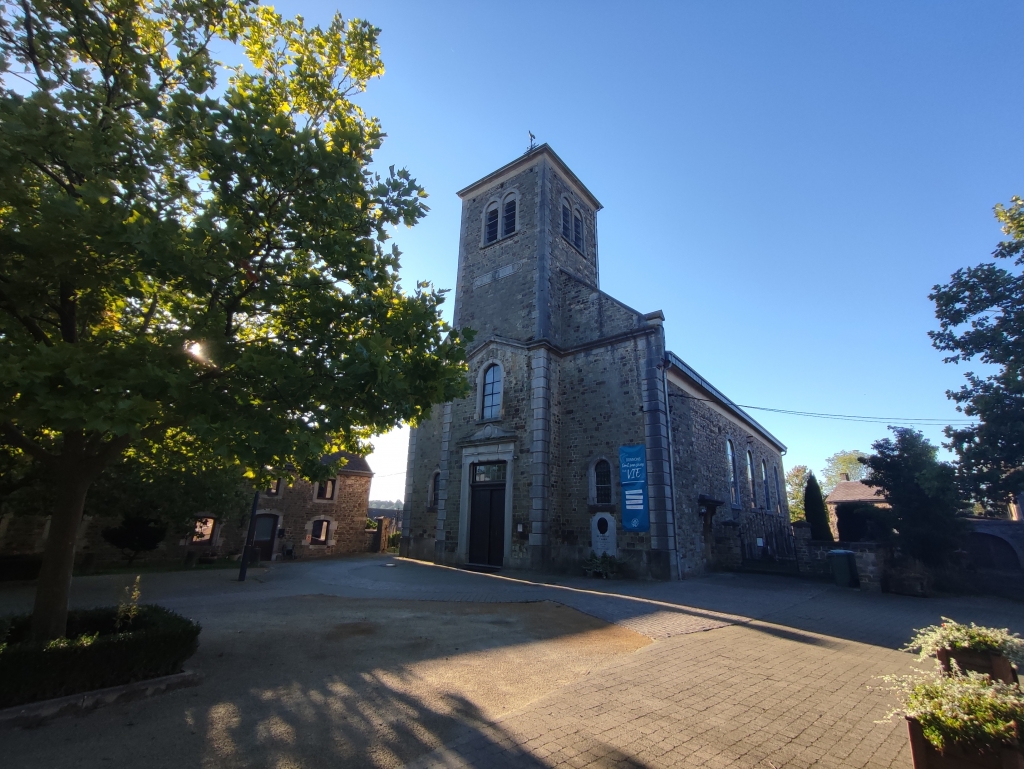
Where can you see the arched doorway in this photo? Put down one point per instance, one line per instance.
(988, 551)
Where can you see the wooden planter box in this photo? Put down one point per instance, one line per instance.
(995, 665)
(927, 756)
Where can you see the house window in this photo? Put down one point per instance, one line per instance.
(319, 534)
(435, 488)
(767, 492)
(325, 489)
(778, 489)
(750, 479)
(508, 223)
(577, 231)
(566, 222)
(734, 484)
(491, 224)
(492, 392)
(274, 489)
(603, 482)
(202, 534)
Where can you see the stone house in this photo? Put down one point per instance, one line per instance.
(853, 493)
(565, 381)
(300, 520)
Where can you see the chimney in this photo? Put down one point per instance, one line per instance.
(846, 476)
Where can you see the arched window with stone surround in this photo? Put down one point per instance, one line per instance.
(577, 231)
(492, 392)
(566, 220)
(435, 488)
(778, 488)
(750, 479)
(764, 481)
(734, 483)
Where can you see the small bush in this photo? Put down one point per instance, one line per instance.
(608, 566)
(394, 539)
(135, 535)
(94, 655)
(953, 635)
(969, 709)
(371, 524)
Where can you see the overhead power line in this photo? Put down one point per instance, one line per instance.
(922, 421)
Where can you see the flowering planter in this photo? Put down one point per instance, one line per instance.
(989, 663)
(927, 756)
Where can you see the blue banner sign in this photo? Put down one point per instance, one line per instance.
(633, 479)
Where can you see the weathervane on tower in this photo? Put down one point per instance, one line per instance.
(533, 142)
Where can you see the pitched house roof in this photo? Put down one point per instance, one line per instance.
(855, 491)
(355, 465)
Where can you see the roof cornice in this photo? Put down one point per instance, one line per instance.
(717, 396)
(526, 159)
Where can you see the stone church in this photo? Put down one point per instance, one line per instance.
(581, 433)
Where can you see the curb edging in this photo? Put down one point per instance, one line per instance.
(38, 713)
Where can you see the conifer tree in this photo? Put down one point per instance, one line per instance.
(815, 511)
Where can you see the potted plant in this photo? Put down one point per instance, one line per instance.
(972, 647)
(961, 721)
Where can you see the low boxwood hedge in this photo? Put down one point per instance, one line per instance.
(94, 655)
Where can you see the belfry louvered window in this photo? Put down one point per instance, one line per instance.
(509, 222)
(491, 224)
(566, 222)
(577, 232)
(492, 393)
(603, 483)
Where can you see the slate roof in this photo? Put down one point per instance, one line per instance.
(855, 491)
(355, 465)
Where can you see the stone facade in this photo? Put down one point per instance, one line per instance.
(295, 507)
(582, 375)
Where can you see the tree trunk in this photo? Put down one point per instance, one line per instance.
(50, 614)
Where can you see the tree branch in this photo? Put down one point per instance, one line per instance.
(30, 40)
(30, 325)
(148, 317)
(17, 438)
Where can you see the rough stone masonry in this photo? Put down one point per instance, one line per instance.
(562, 375)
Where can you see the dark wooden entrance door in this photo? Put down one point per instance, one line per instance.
(487, 525)
(266, 528)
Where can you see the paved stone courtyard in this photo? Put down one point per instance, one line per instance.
(743, 671)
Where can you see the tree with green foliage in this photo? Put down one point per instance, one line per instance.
(796, 482)
(923, 495)
(190, 247)
(815, 511)
(979, 313)
(842, 466)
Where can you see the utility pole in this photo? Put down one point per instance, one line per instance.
(247, 548)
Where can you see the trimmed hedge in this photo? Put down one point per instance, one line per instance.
(157, 643)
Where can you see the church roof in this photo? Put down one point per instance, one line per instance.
(720, 398)
(855, 491)
(523, 161)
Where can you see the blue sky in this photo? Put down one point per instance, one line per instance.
(785, 180)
